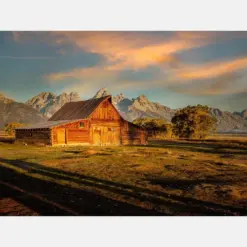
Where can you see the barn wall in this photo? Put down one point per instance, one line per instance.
(34, 136)
(72, 132)
(105, 111)
(105, 125)
(104, 132)
(133, 135)
(121, 131)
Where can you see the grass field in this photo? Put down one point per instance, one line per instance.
(163, 178)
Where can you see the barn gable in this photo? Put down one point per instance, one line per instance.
(105, 111)
(78, 110)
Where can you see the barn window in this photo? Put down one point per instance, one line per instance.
(82, 125)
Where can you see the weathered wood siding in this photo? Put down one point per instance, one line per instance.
(133, 135)
(105, 111)
(34, 136)
(105, 125)
(73, 133)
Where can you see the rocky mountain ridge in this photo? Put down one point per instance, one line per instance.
(48, 103)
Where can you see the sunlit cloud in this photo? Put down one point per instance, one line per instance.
(230, 83)
(127, 50)
(211, 70)
(123, 51)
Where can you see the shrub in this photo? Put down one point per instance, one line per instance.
(194, 122)
(158, 128)
(10, 128)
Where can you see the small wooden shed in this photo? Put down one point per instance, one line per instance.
(89, 122)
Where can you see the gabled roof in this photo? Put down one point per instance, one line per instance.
(78, 109)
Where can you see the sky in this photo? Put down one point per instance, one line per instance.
(173, 68)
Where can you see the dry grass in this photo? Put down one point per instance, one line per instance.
(165, 177)
(229, 137)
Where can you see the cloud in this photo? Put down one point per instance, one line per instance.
(127, 50)
(85, 74)
(122, 51)
(211, 70)
(230, 83)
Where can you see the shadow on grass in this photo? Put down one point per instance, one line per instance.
(51, 199)
(89, 203)
(184, 184)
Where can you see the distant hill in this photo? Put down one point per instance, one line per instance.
(227, 121)
(11, 111)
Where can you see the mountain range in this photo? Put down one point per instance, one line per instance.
(44, 105)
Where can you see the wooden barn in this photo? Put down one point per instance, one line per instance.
(89, 122)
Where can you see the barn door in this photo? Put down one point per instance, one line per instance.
(61, 136)
(97, 136)
(113, 136)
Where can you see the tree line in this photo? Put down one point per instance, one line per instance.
(191, 122)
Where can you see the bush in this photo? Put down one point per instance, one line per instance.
(10, 128)
(194, 122)
(158, 128)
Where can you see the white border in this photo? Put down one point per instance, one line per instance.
(123, 15)
(123, 231)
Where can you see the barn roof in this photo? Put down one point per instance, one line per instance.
(44, 125)
(78, 109)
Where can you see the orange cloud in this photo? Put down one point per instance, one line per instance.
(122, 50)
(208, 89)
(86, 74)
(131, 50)
(211, 70)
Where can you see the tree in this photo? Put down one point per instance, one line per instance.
(10, 128)
(155, 127)
(193, 122)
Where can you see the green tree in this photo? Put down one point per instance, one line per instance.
(10, 128)
(194, 122)
(155, 127)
